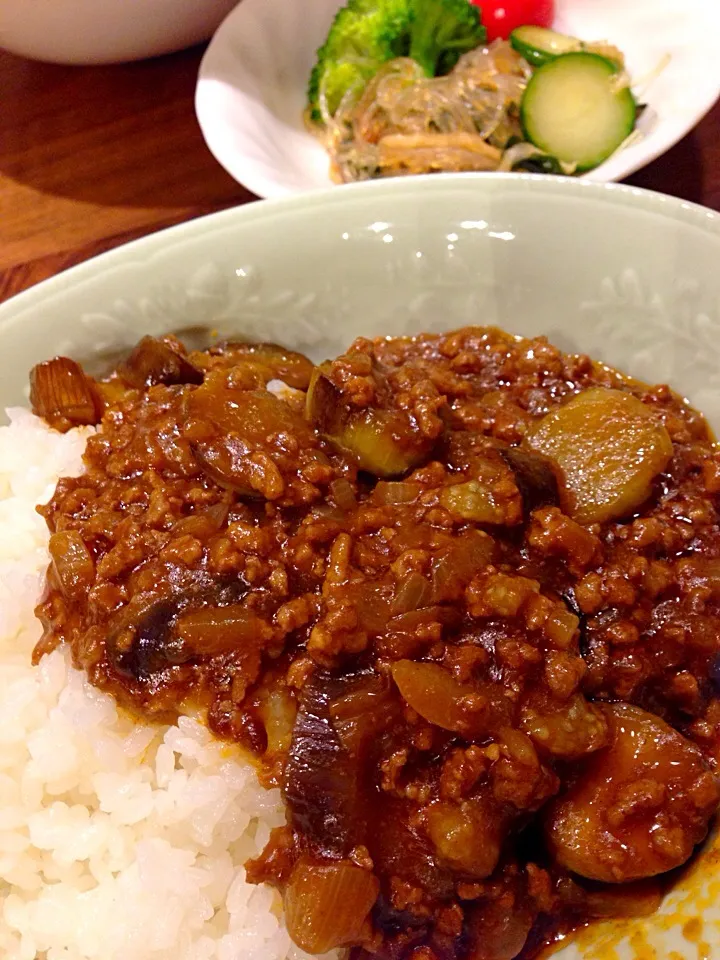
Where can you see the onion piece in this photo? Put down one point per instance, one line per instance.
(372, 605)
(457, 564)
(63, 395)
(211, 631)
(278, 711)
(391, 492)
(327, 904)
(344, 494)
(445, 702)
(409, 635)
(413, 592)
(204, 523)
(72, 562)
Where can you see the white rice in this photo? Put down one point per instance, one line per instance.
(118, 841)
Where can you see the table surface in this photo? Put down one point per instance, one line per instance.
(91, 157)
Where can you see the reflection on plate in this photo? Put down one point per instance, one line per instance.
(251, 89)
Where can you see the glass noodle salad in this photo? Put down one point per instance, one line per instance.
(416, 86)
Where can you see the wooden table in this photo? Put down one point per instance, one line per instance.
(93, 156)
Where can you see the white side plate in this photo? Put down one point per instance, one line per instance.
(251, 89)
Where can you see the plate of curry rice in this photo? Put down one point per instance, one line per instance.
(360, 583)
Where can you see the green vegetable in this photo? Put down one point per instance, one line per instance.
(511, 141)
(541, 163)
(367, 33)
(362, 37)
(574, 108)
(441, 31)
(538, 45)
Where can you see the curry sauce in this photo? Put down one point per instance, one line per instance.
(458, 595)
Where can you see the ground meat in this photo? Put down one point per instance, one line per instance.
(463, 650)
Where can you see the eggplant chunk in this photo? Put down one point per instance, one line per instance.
(383, 442)
(159, 361)
(640, 806)
(272, 361)
(143, 649)
(536, 476)
(610, 447)
(380, 443)
(249, 441)
(399, 849)
(362, 712)
(322, 779)
(150, 636)
(498, 927)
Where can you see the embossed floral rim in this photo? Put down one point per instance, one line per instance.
(374, 192)
(257, 267)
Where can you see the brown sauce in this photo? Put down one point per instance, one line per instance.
(459, 595)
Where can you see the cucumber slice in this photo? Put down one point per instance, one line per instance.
(538, 45)
(573, 110)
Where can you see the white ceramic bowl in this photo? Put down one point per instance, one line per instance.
(628, 276)
(106, 31)
(253, 79)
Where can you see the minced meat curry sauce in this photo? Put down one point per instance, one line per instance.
(459, 595)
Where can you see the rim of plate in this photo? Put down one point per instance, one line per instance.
(250, 172)
(191, 231)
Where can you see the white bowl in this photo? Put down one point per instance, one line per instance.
(106, 31)
(251, 90)
(628, 276)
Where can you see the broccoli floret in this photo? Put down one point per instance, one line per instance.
(367, 33)
(441, 31)
(364, 35)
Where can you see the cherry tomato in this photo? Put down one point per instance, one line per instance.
(501, 17)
